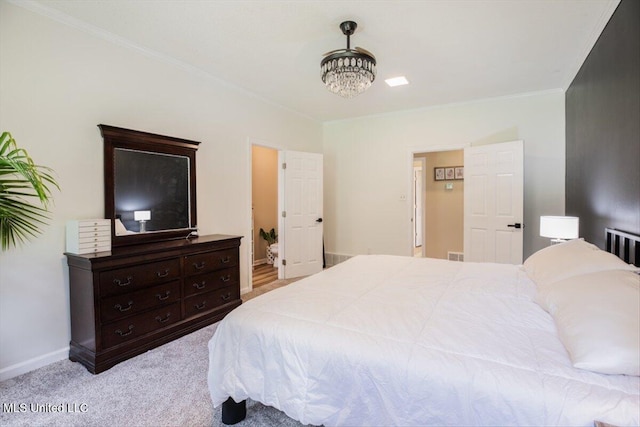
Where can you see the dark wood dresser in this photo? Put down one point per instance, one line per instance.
(135, 298)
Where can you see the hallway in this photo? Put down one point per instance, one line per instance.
(264, 274)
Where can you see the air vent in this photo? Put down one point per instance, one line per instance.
(455, 256)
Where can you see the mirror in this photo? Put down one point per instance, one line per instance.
(149, 186)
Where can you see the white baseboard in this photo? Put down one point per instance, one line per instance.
(32, 364)
(332, 259)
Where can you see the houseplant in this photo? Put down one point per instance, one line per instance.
(21, 180)
(271, 237)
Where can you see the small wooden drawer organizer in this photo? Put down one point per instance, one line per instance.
(128, 301)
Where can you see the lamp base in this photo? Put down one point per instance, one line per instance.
(556, 241)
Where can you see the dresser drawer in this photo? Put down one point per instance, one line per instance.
(201, 303)
(132, 278)
(132, 298)
(124, 305)
(208, 282)
(132, 327)
(210, 261)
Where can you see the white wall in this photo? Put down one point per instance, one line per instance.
(57, 83)
(368, 166)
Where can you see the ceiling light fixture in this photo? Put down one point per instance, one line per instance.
(348, 72)
(397, 81)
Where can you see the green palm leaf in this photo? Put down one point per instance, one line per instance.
(21, 180)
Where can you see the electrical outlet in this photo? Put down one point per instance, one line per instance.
(403, 197)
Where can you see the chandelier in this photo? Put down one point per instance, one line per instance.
(348, 72)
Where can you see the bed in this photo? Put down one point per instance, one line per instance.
(390, 340)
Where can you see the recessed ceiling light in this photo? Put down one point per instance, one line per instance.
(397, 81)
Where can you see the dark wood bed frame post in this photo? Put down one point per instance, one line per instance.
(232, 412)
(624, 245)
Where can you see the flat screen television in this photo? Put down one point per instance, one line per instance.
(149, 185)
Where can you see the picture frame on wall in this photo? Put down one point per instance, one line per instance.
(449, 173)
(459, 172)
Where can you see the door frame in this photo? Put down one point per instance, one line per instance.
(248, 229)
(423, 178)
(410, 156)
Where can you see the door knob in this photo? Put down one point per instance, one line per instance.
(319, 220)
(516, 225)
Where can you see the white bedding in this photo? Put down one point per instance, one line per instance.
(387, 340)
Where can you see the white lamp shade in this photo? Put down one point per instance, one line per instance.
(142, 215)
(559, 227)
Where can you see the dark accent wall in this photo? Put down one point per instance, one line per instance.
(603, 131)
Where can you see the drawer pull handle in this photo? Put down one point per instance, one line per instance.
(163, 297)
(124, 334)
(161, 320)
(121, 283)
(199, 266)
(226, 297)
(200, 285)
(165, 273)
(225, 278)
(225, 260)
(121, 308)
(200, 306)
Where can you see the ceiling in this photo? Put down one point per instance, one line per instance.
(451, 51)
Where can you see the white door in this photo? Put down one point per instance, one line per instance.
(493, 202)
(300, 205)
(418, 206)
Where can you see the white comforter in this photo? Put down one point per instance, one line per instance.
(386, 340)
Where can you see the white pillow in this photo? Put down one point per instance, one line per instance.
(571, 258)
(598, 319)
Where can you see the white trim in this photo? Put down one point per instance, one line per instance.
(423, 176)
(34, 363)
(282, 235)
(249, 230)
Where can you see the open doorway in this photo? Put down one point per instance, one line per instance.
(439, 208)
(264, 215)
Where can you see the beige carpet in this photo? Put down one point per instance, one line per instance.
(166, 386)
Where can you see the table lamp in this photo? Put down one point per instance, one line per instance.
(559, 228)
(142, 217)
